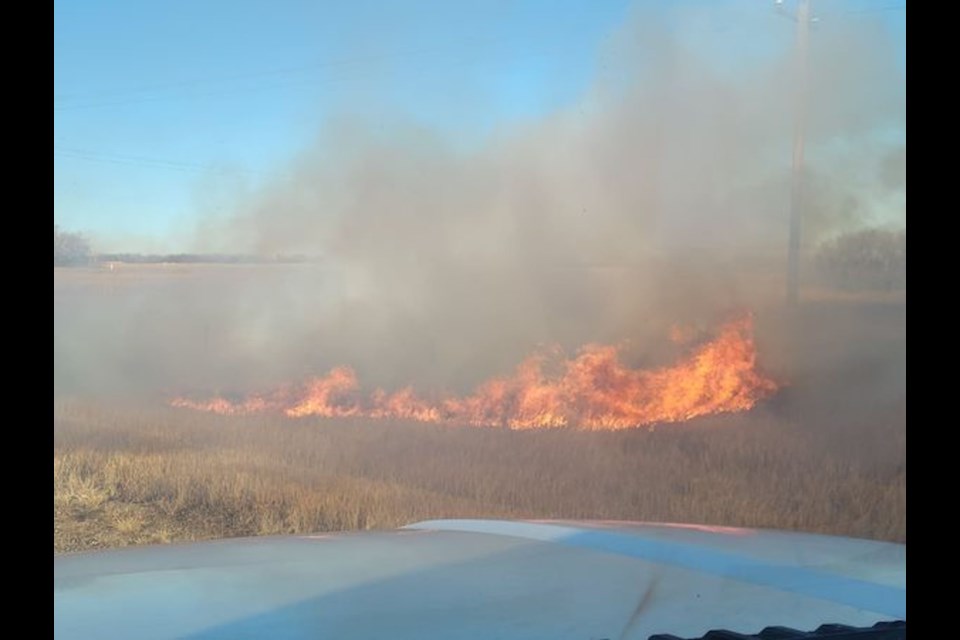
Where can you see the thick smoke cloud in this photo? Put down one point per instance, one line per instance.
(661, 195)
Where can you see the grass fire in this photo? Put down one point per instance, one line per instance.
(592, 390)
(541, 277)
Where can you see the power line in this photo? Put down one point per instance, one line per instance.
(898, 7)
(139, 161)
(176, 90)
(292, 82)
(181, 84)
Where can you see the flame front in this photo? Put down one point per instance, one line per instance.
(593, 390)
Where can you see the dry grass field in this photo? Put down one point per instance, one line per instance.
(132, 476)
(827, 454)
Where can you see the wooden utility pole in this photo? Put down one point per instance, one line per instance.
(797, 177)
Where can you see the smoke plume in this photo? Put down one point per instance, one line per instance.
(659, 196)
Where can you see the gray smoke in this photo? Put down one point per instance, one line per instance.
(660, 196)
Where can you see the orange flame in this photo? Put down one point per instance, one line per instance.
(594, 390)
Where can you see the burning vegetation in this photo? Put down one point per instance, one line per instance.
(592, 390)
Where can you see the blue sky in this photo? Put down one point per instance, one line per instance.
(166, 112)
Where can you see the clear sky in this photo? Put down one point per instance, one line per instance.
(165, 111)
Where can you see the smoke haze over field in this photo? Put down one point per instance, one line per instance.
(660, 196)
(681, 142)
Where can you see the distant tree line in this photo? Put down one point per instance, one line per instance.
(193, 258)
(70, 249)
(868, 259)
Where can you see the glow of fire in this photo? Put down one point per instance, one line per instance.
(593, 390)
